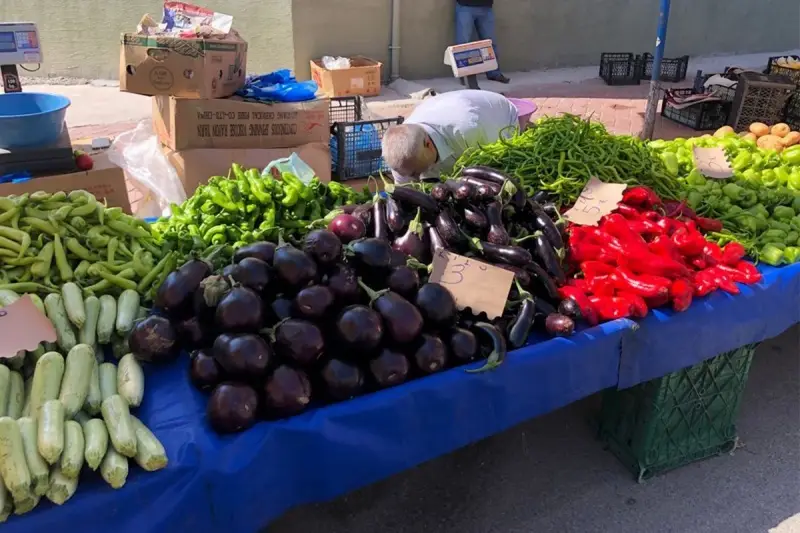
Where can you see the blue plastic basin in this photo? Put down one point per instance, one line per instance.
(31, 119)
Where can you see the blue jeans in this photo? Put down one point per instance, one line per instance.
(469, 19)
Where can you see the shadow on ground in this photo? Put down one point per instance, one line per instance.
(551, 475)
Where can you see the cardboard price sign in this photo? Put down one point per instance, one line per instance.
(596, 201)
(474, 284)
(23, 327)
(712, 163)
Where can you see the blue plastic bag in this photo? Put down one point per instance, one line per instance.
(278, 86)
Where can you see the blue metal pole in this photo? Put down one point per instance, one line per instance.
(655, 85)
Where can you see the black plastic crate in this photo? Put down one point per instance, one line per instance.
(356, 148)
(791, 73)
(793, 104)
(701, 116)
(672, 70)
(620, 69)
(345, 109)
(760, 98)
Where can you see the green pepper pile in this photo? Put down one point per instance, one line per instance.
(250, 207)
(759, 206)
(49, 239)
(560, 154)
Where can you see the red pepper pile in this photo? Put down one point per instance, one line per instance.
(647, 255)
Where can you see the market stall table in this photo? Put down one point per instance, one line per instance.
(667, 341)
(242, 482)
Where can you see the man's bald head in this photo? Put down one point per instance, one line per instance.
(407, 149)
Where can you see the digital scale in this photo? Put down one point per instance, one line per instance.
(470, 59)
(19, 44)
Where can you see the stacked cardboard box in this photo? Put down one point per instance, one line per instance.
(204, 128)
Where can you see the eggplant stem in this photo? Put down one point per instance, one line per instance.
(498, 354)
(415, 226)
(373, 294)
(414, 263)
(524, 295)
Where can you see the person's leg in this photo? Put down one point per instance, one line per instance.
(465, 26)
(484, 20)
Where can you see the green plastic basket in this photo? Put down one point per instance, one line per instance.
(680, 418)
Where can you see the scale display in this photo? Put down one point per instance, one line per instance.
(19, 43)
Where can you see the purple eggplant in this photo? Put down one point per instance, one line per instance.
(260, 250)
(448, 229)
(232, 407)
(241, 310)
(342, 380)
(313, 302)
(395, 217)
(431, 354)
(412, 243)
(475, 217)
(437, 305)
(343, 282)
(287, 392)
(403, 280)
(299, 341)
(380, 227)
(412, 197)
(323, 246)
(437, 244)
(497, 232)
(243, 357)
(253, 273)
(440, 193)
(390, 368)
(461, 190)
(402, 320)
(360, 328)
(294, 267)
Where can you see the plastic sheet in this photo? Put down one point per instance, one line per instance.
(242, 482)
(720, 322)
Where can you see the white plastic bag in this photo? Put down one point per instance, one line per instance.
(335, 63)
(139, 154)
(294, 165)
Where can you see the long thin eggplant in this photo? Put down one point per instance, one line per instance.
(395, 218)
(475, 217)
(540, 277)
(448, 229)
(547, 255)
(513, 255)
(499, 348)
(521, 327)
(380, 227)
(551, 210)
(461, 191)
(495, 176)
(497, 232)
(545, 224)
(414, 198)
(483, 188)
(541, 197)
(440, 192)
(436, 242)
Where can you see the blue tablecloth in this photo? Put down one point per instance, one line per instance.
(241, 482)
(667, 341)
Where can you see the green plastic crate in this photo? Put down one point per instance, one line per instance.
(680, 418)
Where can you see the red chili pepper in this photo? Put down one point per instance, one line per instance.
(645, 227)
(629, 212)
(660, 300)
(579, 283)
(638, 304)
(733, 273)
(723, 280)
(627, 281)
(750, 271)
(708, 224)
(704, 283)
(689, 243)
(732, 253)
(640, 196)
(601, 286)
(698, 263)
(663, 246)
(649, 263)
(587, 309)
(617, 226)
(690, 224)
(651, 215)
(587, 251)
(593, 269)
(680, 294)
(712, 254)
(610, 308)
(667, 225)
(602, 238)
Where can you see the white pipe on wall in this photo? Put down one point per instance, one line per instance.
(394, 47)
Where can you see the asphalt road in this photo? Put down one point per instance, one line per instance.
(551, 475)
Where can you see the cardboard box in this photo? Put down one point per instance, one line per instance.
(192, 68)
(184, 124)
(105, 180)
(363, 78)
(195, 167)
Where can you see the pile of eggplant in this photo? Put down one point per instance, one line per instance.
(483, 214)
(290, 325)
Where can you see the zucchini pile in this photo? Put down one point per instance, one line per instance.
(59, 413)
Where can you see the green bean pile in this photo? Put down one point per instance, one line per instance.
(560, 154)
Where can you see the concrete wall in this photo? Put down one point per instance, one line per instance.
(81, 37)
(542, 33)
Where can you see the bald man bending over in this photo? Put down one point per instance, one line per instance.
(442, 128)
